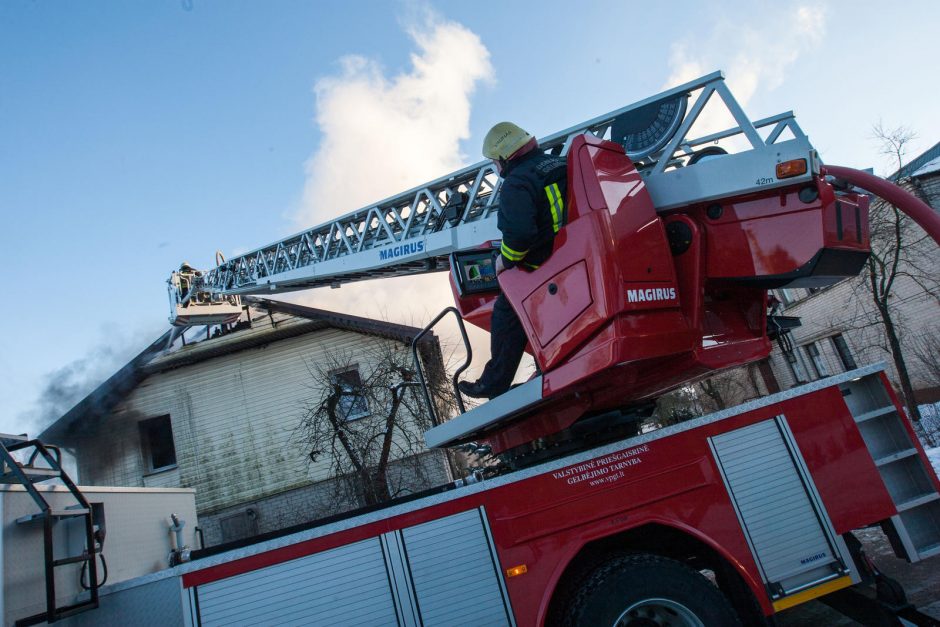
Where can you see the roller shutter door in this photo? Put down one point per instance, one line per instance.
(770, 493)
(454, 572)
(347, 585)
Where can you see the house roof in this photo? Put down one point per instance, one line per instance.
(927, 168)
(917, 166)
(271, 321)
(280, 321)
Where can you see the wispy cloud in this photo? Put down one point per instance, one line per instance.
(756, 53)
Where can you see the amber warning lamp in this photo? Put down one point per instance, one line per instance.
(515, 571)
(789, 169)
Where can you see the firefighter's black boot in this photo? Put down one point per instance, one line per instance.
(476, 389)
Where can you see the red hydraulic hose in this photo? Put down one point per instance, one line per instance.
(919, 211)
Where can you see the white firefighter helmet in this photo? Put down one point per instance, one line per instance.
(503, 140)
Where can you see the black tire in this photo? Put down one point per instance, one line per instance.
(655, 587)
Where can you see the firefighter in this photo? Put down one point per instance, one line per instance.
(531, 210)
(187, 276)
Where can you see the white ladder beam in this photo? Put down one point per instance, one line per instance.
(408, 234)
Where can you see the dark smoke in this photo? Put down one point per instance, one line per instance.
(79, 381)
(68, 385)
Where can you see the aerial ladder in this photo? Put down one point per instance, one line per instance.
(659, 278)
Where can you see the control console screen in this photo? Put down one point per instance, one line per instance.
(475, 271)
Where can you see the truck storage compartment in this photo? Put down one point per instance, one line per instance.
(442, 572)
(915, 530)
(786, 527)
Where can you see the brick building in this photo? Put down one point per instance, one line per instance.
(221, 415)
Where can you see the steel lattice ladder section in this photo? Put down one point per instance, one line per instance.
(28, 474)
(414, 231)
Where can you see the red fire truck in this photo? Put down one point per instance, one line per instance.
(659, 278)
(720, 520)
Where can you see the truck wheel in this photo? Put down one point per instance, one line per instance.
(648, 591)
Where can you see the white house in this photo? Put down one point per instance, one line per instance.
(221, 415)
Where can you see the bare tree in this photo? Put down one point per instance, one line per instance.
(715, 390)
(926, 349)
(367, 417)
(901, 254)
(715, 393)
(674, 407)
(729, 388)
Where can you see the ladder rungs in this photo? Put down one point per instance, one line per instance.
(13, 471)
(929, 551)
(75, 559)
(55, 513)
(61, 612)
(6, 439)
(893, 457)
(33, 474)
(69, 610)
(917, 501)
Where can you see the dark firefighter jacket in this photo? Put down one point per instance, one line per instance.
(531, 207)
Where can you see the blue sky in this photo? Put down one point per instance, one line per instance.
(136, 135)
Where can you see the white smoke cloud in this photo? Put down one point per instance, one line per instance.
(383, 135)
(754, 55)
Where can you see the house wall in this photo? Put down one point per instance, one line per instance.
(315, 500)
(846, 309)
(233, 419)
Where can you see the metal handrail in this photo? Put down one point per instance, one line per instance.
(466, 364)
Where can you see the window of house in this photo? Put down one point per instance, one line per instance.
(816, 359)
(353, 404)
(796, 366)
(842, 349)
(786, 296)
(156, 440)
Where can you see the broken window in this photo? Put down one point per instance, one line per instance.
(156, 440)
(353, 403)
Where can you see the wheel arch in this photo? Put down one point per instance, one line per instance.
(665, 539)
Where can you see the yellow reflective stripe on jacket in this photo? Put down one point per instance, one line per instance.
(510, 254)
(557, 204)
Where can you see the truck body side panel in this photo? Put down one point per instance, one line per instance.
(841, 465)
(539, 519)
